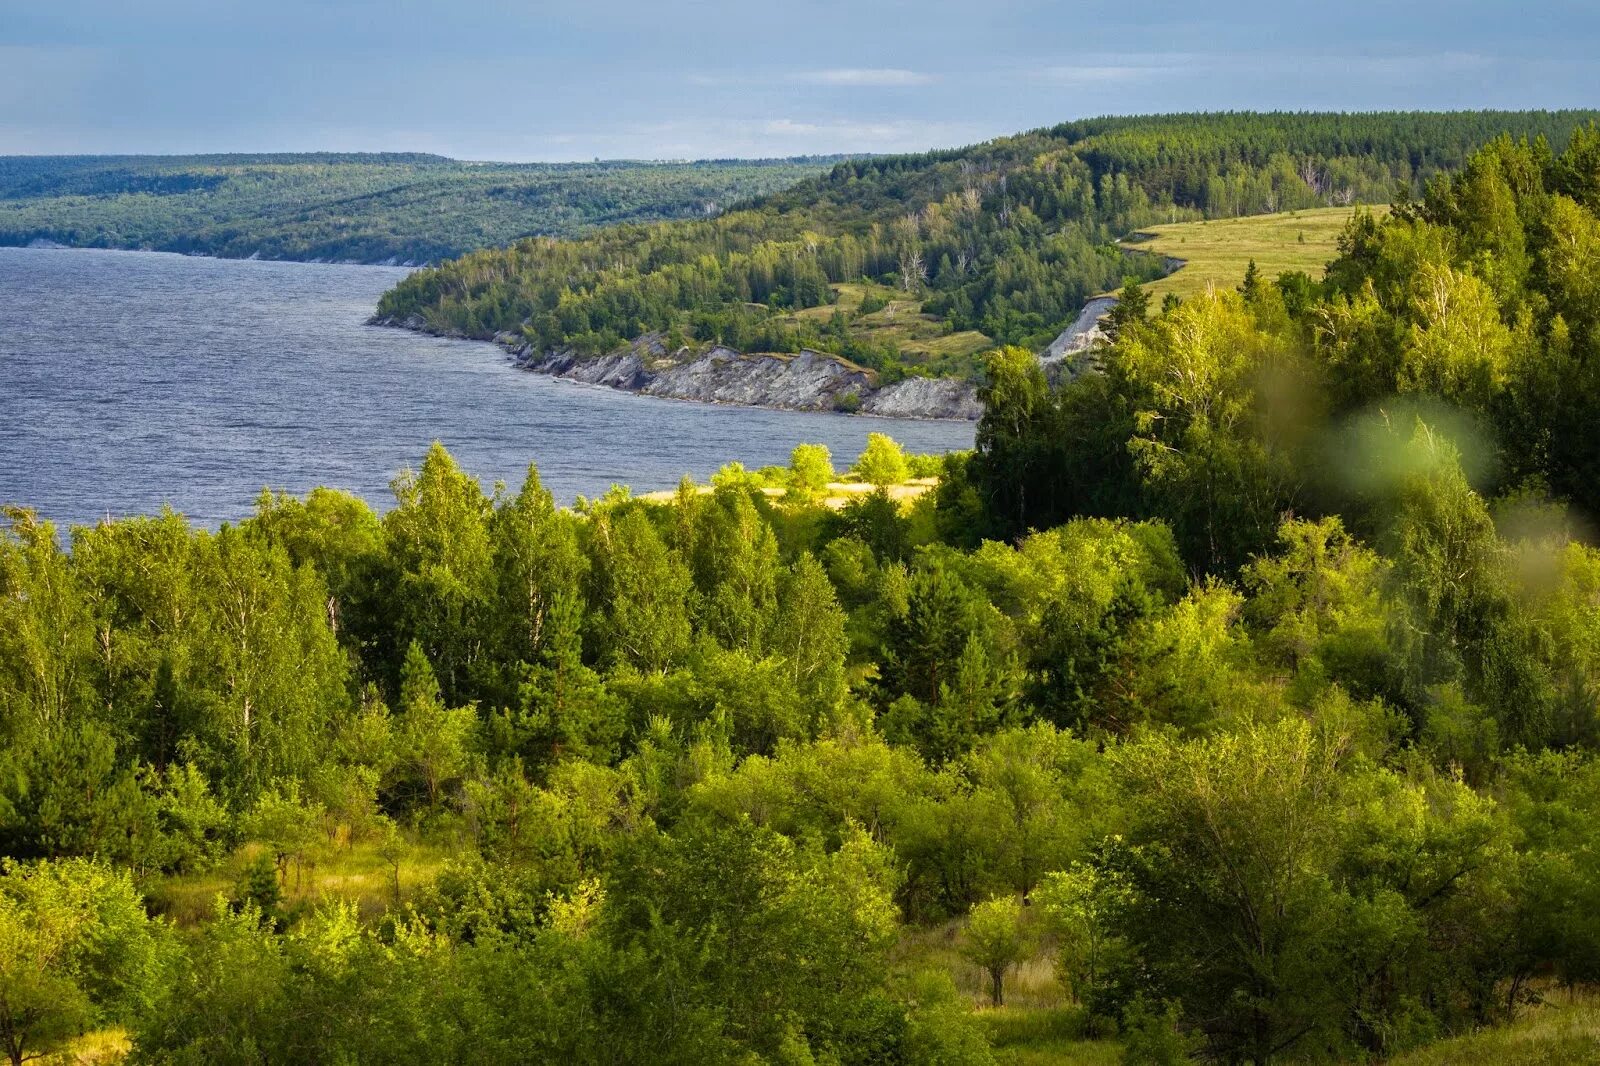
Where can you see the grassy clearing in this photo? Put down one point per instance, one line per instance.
(356, 873)
(1216, 252)
(839, 492)
(921, 338)
(1037, 1036)
(1031, 989)
(1563, 1031)
(1039, 1024)
(104, 1047)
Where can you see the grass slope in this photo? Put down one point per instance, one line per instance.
(1564, 1031)
(356, 873)
(1217, 251)
(924, 340)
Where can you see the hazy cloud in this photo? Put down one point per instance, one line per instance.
(862, 76)
(1133, 67)
(1104, 75)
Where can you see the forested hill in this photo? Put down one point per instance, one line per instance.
(404, 207)
(921, 262)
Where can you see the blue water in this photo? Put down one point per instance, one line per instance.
(132, 380)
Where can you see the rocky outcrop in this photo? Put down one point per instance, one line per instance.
(1084, 333)
(623, 370)
(809, 381)
(925, 398)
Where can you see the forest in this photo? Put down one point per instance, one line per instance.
(1237, 700)
(999, 243)
(365, 208)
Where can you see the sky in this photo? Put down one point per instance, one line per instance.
(687, 79)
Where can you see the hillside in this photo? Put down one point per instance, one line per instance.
(997, 243)
(406, 208)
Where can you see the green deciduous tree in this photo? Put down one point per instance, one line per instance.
(810, 471)
(443, 556)
(76, 952)
(882, 462)
(645, 592)
(996, 940)
(1215, 457)
(434, 743)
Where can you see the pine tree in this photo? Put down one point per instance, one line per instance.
(1131, 309)
(1251, 288)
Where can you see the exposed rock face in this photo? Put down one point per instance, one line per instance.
(810, 381)
(623, 370)
(925, 398)
(1083, 334)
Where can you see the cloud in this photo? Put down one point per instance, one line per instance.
(1114, 69)
(1103, 74)
(833, 77)
(856, 77)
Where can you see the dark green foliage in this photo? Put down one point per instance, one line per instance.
(258, 888)
(1131, 309)
(947, 671)
(876, 521)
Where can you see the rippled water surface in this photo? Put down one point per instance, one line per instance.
(130, 380)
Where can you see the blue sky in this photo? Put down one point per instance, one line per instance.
(574, 79)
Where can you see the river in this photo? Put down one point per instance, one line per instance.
(130, 381)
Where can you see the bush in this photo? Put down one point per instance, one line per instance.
(883, 462)
(872, 303)
(1151, 1037)
(810, 470)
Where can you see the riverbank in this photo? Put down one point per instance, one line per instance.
(807, 381)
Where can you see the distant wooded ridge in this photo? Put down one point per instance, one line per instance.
(402, 207)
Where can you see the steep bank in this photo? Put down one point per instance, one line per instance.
(1083, 334)
(809, 381)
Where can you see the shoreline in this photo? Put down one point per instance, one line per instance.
(43, 244)
(808, 381)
